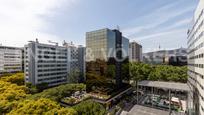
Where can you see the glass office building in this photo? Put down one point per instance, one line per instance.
(106, 52)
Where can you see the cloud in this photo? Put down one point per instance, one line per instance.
(167, 40)
(160, 34)
(21, 20)
(156, 18)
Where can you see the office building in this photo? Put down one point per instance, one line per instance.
(10, 59)
(106, 50)
(135, 52)
(81, 61)
(196, 62)
(51, 64)
(76, 59)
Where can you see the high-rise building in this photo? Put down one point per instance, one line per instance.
(135, 52)
(51, 64)
(106, 52)
(81, 61)
(196, 62)
(10, 59)
(76, 59)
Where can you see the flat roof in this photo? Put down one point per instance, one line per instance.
(165, 85)
(142, 110)
(114, 97)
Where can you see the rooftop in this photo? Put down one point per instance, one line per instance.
(165, 85)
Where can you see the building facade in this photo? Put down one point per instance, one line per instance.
(10, 59)
(106, 52)
(135, 52)
(196, 62)
(81, 61)
(51, 64)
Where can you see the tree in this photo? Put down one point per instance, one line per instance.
(126, 71)
(41, 106)
(135, 73)
(90, 107)
(10, 94)
(17, 78)
(56, 93)
(159, 72)
(73, 76)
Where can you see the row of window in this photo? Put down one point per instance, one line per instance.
(196, 88)
(196, 48)
(53, 57)
(53, 65)
(198, 74)
(51, 52)
(197, 29)
(50, 74)
(197, 38)
(51, 78)
(197, 56)
(46, 70)
(51, 61)
(12, 65)
(63, 49)
(197, 65)
(195, 24)
(12, 56)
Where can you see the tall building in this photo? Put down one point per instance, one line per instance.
(81, 61)
(10, 59)
(196, 62)
(106, 52)
(76, 59)
(135, 52)
(51, 64)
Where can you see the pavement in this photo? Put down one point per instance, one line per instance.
(142, 110)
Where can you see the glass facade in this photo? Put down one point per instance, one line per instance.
(106, 52)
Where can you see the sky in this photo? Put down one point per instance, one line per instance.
(152, 23)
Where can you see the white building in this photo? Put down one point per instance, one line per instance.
(196, 62)
(135, 52)
(51, 64)
(10, 59)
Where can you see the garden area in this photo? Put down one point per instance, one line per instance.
(16, 98)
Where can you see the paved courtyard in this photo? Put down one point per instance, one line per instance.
(142, 110)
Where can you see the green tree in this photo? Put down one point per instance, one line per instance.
(57, 93)
(10, 94)
(41, 106)
(73, 76)
(90, 107)
(17, 78)
(135, 73)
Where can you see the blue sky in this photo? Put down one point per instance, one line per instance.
(149, 22)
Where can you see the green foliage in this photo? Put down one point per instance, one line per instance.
(93, 80)
(10, 94)
(141, 71)
(73, 76)
(90, 107)
(110, 72)
(41, 106)
(126, 71)
(56, 93)
(41, 86)
(17, 78)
